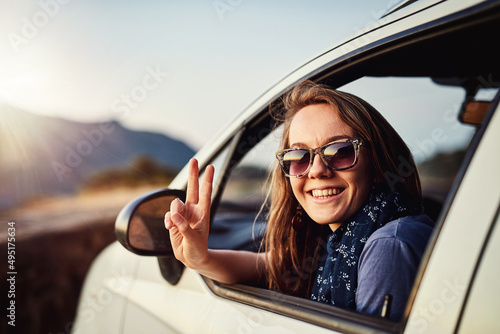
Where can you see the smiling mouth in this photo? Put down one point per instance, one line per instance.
(325, 193)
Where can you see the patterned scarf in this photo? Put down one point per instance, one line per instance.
(337, 277)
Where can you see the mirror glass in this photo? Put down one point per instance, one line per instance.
(147, 231)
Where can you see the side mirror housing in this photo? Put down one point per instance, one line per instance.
(139, 227)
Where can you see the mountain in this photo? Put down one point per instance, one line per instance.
(41, 156)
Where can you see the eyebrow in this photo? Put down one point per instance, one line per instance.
(328, 140)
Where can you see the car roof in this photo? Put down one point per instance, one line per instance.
(398, 6)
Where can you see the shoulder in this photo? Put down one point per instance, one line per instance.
(389, 262)
(405, 229)
(413, 231)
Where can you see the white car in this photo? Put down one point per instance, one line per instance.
(432, 68)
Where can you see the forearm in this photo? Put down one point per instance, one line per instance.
(231, 266)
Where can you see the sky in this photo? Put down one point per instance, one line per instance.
(184, 68)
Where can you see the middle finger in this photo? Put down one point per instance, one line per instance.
(192, 195)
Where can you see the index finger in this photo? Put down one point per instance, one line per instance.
(192, 193)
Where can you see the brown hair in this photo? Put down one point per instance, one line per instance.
(292, 256)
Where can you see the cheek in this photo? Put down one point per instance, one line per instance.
(363, 179)
(362, 192)
(297, 185)
(294, 185)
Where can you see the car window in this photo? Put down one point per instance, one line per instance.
(239, 222)
(424, 113)
(219, 163)
(247, 183)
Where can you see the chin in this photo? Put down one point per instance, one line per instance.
(321, 220)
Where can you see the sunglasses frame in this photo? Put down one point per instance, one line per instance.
(355, 142)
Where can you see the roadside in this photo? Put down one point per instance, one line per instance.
(56, 240)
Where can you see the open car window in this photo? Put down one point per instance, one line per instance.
(423, 112)
(239, 221)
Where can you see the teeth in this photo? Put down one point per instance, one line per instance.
(325, 192)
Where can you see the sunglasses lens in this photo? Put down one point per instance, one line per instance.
(340, 155)
(296, 162)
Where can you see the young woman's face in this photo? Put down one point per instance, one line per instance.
(328, 197)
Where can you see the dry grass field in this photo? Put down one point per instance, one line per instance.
(56, 240)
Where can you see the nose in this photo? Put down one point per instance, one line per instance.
(319, 169)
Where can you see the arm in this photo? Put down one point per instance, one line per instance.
(188, 224)
(229, 266)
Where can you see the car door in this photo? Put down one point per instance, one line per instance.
(199, 305)
(481, 307)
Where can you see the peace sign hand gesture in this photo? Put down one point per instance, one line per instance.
(189, 222)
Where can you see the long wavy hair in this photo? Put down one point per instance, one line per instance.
(292, 256)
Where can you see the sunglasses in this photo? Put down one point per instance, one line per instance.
(337, 155)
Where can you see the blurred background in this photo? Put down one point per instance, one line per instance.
(101, 101)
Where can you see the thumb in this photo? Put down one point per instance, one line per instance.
(182, 225)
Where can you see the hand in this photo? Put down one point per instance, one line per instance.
(189, 223)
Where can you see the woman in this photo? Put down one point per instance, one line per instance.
(345, 225)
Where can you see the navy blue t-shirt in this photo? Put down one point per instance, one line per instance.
(388, 264)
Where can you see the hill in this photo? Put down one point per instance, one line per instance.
(42, 156)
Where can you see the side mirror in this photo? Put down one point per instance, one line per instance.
(139, 226)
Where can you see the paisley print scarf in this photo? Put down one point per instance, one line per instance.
(336, 280)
